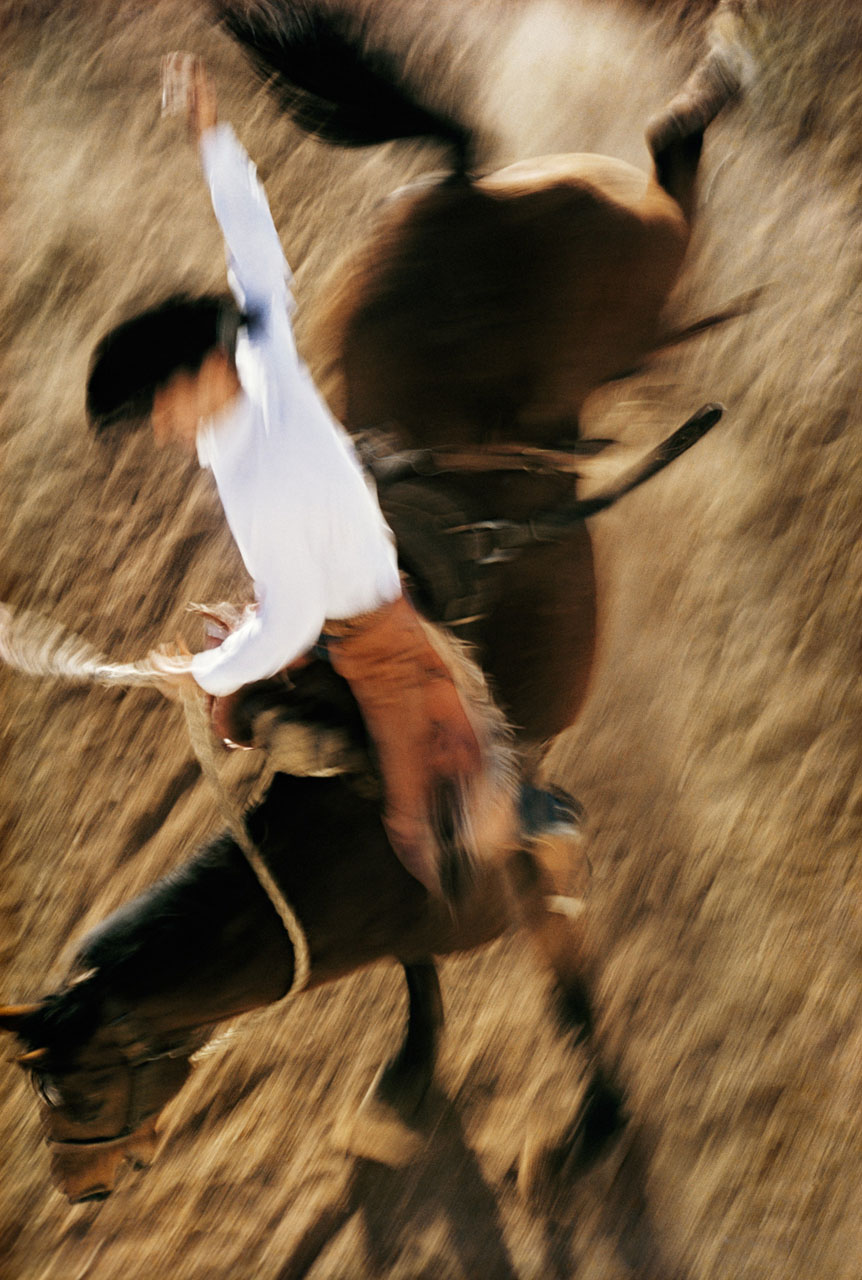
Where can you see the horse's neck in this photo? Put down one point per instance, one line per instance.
(200, 945)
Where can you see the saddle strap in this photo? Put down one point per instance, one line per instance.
(450, 558)
(450, 459)
(494, 541)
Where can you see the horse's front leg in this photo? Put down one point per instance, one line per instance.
(383, 1128)
(405, 1079)
(551, 880)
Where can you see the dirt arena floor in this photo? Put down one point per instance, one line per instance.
(717, 756)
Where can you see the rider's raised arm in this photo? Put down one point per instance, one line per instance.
(257, 270)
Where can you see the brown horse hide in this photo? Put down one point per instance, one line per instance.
(490, 310)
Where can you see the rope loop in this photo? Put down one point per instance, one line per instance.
(41, 647)
(201, 737)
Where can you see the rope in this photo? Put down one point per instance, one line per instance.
(40, 647)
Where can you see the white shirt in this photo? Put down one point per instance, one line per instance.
(304, 517)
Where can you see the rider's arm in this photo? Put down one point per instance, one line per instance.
(257, 270)
(279, 630)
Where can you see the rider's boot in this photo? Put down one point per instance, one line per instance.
(552, 827)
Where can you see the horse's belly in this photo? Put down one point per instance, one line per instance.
(538, 643)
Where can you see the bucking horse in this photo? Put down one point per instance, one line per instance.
(467, 332)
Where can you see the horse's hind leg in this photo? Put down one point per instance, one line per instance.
(675, 135)
(554, 913)
(382, 1129)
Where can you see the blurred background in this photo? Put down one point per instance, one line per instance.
(717, 756)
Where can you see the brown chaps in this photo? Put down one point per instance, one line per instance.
(426, 746)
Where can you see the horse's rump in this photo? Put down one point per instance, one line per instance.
(490, 310)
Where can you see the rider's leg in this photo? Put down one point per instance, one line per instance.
(420, 729)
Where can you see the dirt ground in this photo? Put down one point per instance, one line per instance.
(717, 756)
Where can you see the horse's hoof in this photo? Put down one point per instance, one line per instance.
(549, 1162)
(378, 1134)
(538, 1180)
(376, 1131)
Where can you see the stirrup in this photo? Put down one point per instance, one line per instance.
(549, 809)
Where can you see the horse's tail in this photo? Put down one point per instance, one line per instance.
(331, 81)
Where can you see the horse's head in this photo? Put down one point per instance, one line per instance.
(102, 1077)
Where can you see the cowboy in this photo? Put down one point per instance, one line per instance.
(226, 381)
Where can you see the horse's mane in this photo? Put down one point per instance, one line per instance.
(327, 77)
(142, 946)
(171, 919)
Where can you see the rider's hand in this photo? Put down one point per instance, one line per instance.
(173, 665)
(187, 87)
